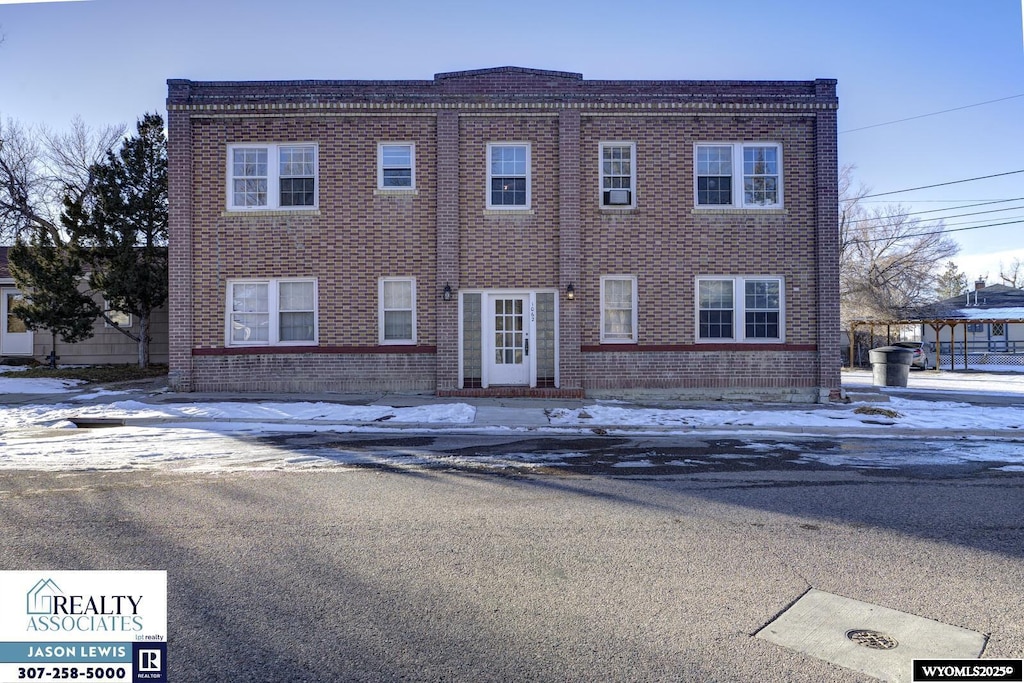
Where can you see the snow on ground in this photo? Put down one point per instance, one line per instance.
(219, 436)
(18, 385)
(912, 414)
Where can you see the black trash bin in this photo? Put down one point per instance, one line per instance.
(890, 366)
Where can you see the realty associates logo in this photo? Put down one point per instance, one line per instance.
(51, 609)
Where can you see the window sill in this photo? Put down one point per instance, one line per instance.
(697, 210)
(258, 213)
(616, 210)
(506, 213)
(396, 192)
(733, 342)
(620, 342)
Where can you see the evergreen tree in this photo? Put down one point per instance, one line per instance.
(124, 229)
(51, 276)
(950, 283)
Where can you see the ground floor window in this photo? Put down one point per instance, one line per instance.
(739, 309)
(273, 311)
(618, 309)
(397, 314)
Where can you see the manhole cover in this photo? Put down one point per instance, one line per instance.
(876, 640)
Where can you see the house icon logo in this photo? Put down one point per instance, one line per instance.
(39, 599)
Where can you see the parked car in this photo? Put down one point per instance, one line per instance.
(920, 358)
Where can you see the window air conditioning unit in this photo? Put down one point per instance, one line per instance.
(616, 197)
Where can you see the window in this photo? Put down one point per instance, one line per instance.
(716, 309)
(618, 309)
(118, 318)
(268, 312)
(761, 309)
(508, 175)
(397, 318)
(739, 309)
(747, 175)
(266, 177)
(15, 325)
(618, 174)
(396, 166)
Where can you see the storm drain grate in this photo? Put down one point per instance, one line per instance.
(876, 640)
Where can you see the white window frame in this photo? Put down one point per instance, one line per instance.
(601, 146)
(381, 166)
(632, 339)
(491, 146)
(738, 176)
(274, 312)
(273, 177)
(113, 315)
(739, 310)
(381, 311)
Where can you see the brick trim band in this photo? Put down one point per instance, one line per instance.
(292, 350)
(691, 348)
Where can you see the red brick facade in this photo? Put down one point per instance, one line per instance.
(444, 234)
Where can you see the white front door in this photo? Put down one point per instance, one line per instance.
(507, 334)
(15, 338)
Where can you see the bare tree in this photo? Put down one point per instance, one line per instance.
(1013, 274)
(40, 169)
(889, 261)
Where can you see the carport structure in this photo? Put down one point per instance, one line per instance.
(938, 324)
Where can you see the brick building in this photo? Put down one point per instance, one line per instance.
(505, 231)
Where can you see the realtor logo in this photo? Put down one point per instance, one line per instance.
(150, 662)
(39, 599)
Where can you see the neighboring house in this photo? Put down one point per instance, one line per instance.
(106, 346)
(505, 231)
(986, 323)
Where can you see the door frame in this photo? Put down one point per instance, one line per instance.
(487, 332)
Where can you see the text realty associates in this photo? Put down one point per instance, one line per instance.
(81, 613)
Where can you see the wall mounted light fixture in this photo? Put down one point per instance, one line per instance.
(570, 292)
(446, 294)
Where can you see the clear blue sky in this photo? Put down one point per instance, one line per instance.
(108, 61)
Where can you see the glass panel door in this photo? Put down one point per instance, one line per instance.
(15, 337)
(510, 340)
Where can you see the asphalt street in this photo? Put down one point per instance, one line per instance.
(455, 574)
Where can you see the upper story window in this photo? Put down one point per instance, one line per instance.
(397, 314)
(267, 177)
(739, 309)
(508, 175)
(739, 175)
(396, 166)
(618, 309)
(271, 311)
(618, 174)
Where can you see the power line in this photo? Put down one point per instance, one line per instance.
(938, 184)
(939, 232)
(942, 218)
(934, 113)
